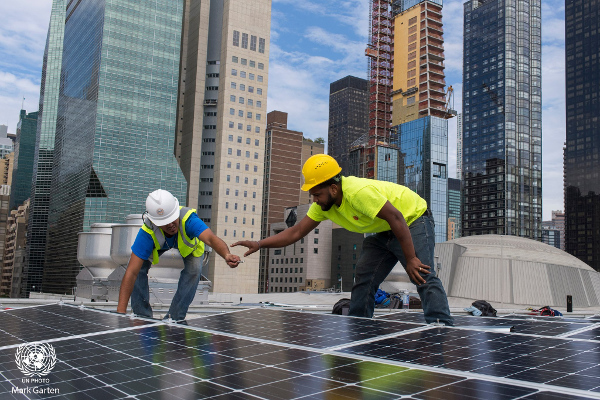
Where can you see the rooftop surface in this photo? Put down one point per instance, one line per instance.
(275, 353)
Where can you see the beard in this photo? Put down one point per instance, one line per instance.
(330, 202)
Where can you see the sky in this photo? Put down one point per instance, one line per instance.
(313, 43)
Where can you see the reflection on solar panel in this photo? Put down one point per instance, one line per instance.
(267, 354)
(527, 325)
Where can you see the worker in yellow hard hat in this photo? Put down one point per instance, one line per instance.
(403, 230)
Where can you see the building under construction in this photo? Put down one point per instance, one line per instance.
(407, 141)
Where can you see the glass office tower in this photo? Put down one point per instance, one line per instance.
(582, 150)
(23, 164)
(502, 118)
(116, 121)
(423, 145)
(43, 157)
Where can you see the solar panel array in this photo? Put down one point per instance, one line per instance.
(277, 354)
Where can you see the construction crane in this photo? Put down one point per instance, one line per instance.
(450, 111)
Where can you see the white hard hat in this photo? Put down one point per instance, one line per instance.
(162, 207)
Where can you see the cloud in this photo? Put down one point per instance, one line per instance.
(22, 40)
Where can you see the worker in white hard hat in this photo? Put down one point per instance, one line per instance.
(168, 226)
(402, 230)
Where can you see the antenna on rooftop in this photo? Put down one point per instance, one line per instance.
(23, 103)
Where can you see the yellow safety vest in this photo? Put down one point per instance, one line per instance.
(185, 245)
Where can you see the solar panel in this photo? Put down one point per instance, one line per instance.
(55, 321)
(535, 326)
(372, 359)
(300, 328)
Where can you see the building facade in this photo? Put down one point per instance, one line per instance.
(309, 148)
(6, 143)
(23, 158)
(346, 247)
(14, 254)
(305, 264)
(420, 110)
(282, 180)
(43, 157)
(459, 145)
(222, 118)
(454, 201)
(115, 122)
(423, 165)
(348, 117)
(6, 166)
(553, 231)
(502, 131)
(5, 273)
(582, 159)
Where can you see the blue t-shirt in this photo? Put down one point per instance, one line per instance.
(143, 244)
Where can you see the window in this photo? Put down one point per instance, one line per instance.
(244, 61)
(316, 240)
(250, 102)
(257, 130)
(255, 181)
(234, 59)
(247, 166)
(261, 45)
(232, 111)
(252, 64)
(239, 139)
(259, 91)
(259, 104)
(251, 77)
(234, 72)
(246, 180)
(248, 140)
(237, 179)
(316, 250)
(250, 89)
(228, 164)
(229, 151)
(240, 126)
(256, 156)
(253, 195)
(316, 231)
(247, 154)
(410, 100)
(227, 193)
(259, 78)
(249, 128)
(240, 113)
(233, 85)
(231, 124)
(255, 168)
(242, 74)
(249, 114)
(256, 142)
(237, 165)
(258, 117)
(242, 87)
(244, 40)
(253, 43)
(228, 178)
(236, 39)
(226, 204)
(261, 66)
(241, 100)
(239, 153)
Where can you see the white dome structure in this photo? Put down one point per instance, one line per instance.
(515, 270)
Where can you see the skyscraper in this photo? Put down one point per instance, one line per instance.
(420, 110)
(221, 124)
(44, 150)
(23, 161)
(115, 126)
(348, 117)
(459, 145)
(502, 130)
(582, 151)
(454, 201)
(282, 181)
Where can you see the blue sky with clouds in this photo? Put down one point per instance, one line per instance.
(313, 43)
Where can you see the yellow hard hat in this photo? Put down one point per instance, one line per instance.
(318, 169)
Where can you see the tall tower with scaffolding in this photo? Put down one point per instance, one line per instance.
(380, 52)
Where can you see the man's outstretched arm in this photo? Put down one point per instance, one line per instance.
(218, 245)
(282, 239)
(133, 269)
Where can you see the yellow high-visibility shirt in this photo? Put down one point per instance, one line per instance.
(363, 199)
